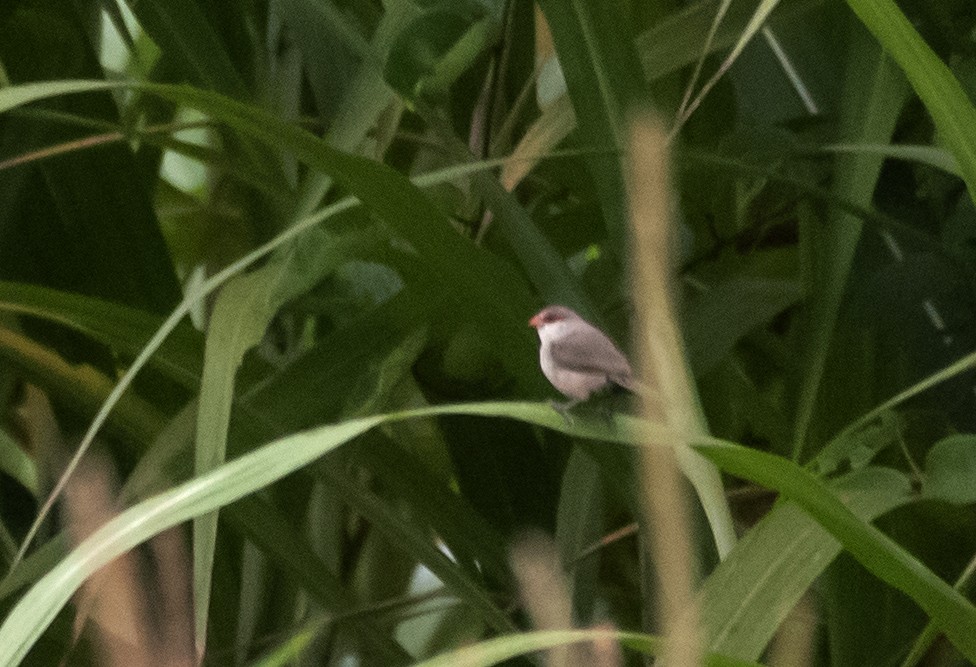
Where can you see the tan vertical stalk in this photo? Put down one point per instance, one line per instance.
(661, 360)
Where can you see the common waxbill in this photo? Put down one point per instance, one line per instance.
(577, 358)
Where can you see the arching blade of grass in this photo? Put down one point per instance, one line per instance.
(45, 599)
(841, 446)
(953, 613)
(198, 496)
(126, 329)
(745, 599)
(884, 558)
(875, 93)
(495, 651)
(482, 288)
(954, 115)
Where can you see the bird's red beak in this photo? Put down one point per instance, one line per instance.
(535, 322)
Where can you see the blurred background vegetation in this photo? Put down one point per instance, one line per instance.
(343, 209)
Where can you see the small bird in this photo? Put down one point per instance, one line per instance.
(577, 358)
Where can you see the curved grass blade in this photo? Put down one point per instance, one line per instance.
(881, 555)
(932, 156)
(234, 480)
(499, 649)
(475, 277)
(745, 599)
(126, 329)
(953, 113)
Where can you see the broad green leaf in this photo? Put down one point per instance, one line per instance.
(745, 599)
(881, 555)
(950, 470)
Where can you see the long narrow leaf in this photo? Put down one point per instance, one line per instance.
(35, 611)
(495, 651)
(881, 555)
(940, 91)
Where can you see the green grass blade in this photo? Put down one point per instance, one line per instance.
(495, 651)
(15, 462)
(745, 599)
(756, 22)
(675, 41)
(953, 113)
(126, 329)
(604, 78)
(932, 156)
(881, 555)
(184, 32)
(234, 480)
(242, 313)
(874, 95)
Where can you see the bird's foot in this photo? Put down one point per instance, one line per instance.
(563, 410)
(607, 414)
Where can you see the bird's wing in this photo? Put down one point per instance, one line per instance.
(588, 350)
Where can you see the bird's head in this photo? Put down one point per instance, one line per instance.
(551, 315)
